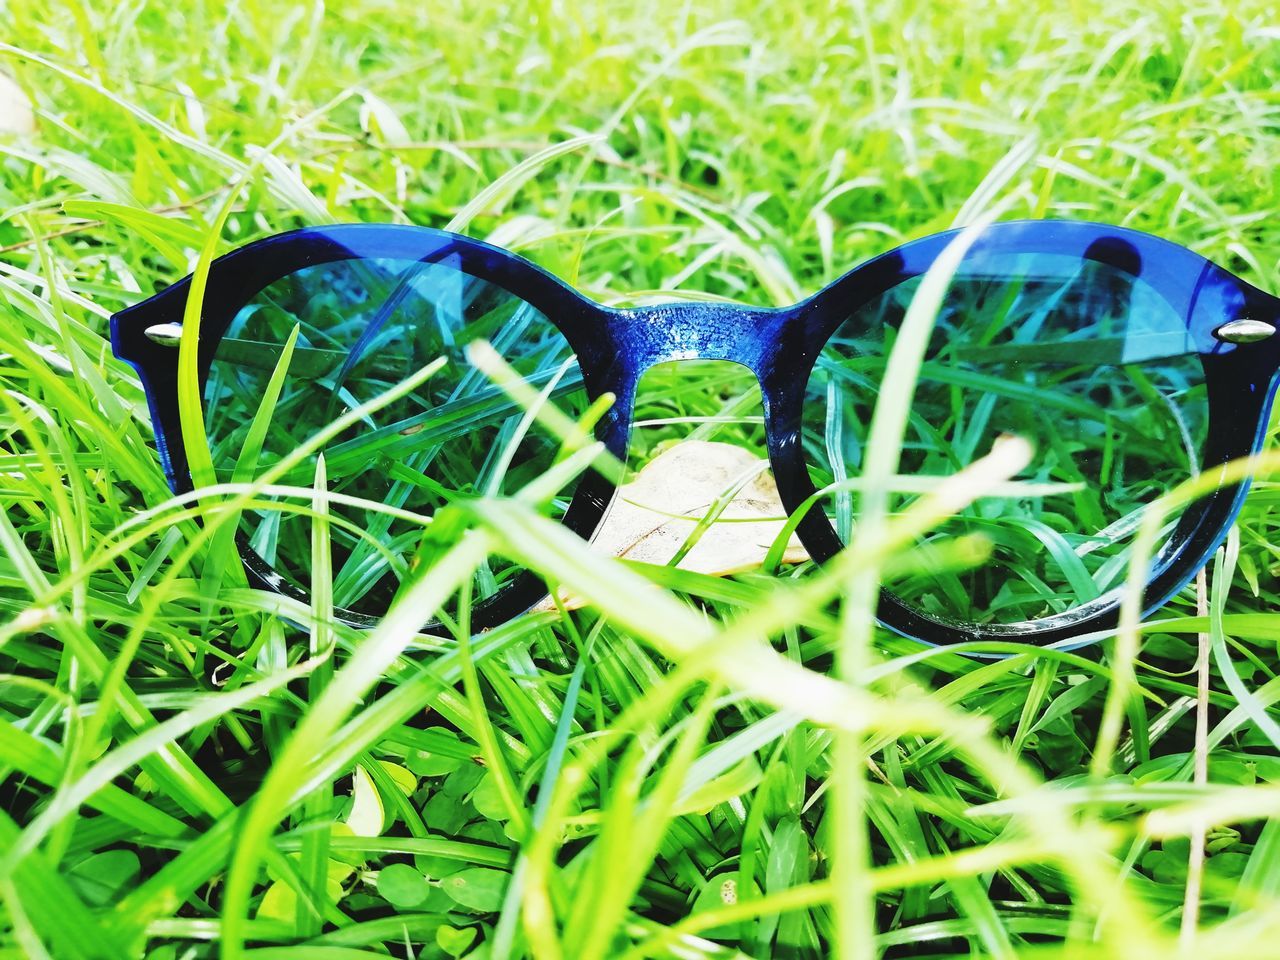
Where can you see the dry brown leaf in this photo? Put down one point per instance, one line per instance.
(16, 115)
(654, 514)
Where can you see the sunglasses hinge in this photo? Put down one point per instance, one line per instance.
(165, 334)
(1245, 330)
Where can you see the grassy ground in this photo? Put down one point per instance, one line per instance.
(185, 773)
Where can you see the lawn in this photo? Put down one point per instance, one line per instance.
(689, 765)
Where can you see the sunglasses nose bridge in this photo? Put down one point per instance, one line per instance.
(697, 331)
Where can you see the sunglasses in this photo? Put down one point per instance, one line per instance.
(1131, 363)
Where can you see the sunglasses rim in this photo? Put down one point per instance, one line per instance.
(780, 345)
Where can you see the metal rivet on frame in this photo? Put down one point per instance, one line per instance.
(1245, 330)
(166, 334)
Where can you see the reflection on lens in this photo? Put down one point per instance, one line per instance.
(363, 327)
(1085, 360)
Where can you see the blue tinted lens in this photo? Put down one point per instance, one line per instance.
(364, 326)
(1082, 358)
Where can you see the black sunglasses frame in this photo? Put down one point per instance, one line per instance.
(780, 346)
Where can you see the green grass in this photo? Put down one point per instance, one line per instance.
(690, 766)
